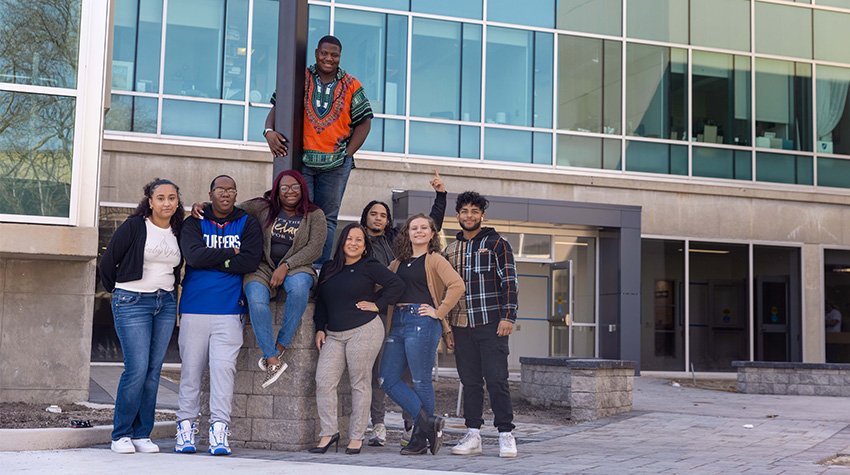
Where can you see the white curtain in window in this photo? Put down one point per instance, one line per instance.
(832, 86)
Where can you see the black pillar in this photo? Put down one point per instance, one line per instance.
(291, 61)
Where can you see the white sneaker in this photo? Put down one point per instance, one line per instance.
(123, 446)
(145, 446)
(507, 445)
(379, 435)
(218, 439)
(185, 439)
(470, 444)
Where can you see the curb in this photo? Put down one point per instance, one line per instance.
(55, 438)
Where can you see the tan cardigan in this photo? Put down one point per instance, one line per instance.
(306, 245)
(440, 275)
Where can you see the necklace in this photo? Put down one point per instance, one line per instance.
(411, 261)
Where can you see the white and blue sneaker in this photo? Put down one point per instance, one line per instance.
(218, 438)
(185, 440)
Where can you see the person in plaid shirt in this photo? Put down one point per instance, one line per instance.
(481, 323)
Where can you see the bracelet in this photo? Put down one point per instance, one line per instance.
(266, 131)
(446, 333)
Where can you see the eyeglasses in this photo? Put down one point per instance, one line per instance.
(285, 188)
(222, 191)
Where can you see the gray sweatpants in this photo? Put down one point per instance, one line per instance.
(213, 339)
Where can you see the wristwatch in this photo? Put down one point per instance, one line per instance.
(266, 131)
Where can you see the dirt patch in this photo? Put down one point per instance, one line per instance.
(727, 385)
(18, 415)
(841, 460)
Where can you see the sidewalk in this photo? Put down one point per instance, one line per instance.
(671, 430)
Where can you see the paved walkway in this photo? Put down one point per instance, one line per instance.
(671, 430)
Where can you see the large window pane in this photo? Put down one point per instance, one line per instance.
(531, 12)
(132, 114)
(517, 146)
(777, 308)
(662, 300)
(136, 45)
(719, 317)
(833, 124)
(465, 9)
(439, 87)
(206, 49)
(781, 168)
(36, 154)
(656, 158)
(393, 4)
(202, 119)
(264, 55)
(659, 20)
(39, 42)
(783, 30)
(836, 282)
(257, 123)
(511, 77)
(833, 172)
(783, 105)
(588, 152)
(387, 135)
(721, 24)
(589, 87)
(656, 92)
(603, 17)
(722, 163)
(318, 25)
(721, 99)
(832, 35)
(444, 140)
(835, 3)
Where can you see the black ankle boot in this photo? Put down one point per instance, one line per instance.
(433, 428)
(418, 444)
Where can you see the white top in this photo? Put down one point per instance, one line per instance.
(833, 314)
(162, 255)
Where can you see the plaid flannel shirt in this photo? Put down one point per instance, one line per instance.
(487, 266)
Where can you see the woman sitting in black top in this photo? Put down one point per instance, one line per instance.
(349, 332)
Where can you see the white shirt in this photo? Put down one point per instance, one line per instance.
(162, 255)
(833, 314)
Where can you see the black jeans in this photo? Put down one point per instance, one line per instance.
(482, 356)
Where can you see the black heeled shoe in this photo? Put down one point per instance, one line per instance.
(324, 448)
(350, 451)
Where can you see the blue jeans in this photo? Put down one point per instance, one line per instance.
(412, 343)
(326, 188)
(144, 322)
(297, 287)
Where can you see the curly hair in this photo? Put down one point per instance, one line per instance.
(144, 208)
(404, 248)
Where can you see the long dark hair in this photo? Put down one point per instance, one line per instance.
(335, 265)
(404, 248)
(144, 209)
(389, 230)
(271, 198)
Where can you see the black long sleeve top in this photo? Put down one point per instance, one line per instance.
(337, 297)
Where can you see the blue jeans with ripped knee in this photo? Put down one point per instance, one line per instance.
(412, 343)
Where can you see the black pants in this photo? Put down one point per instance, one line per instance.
(481, 357)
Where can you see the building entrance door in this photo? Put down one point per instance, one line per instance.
(561, 308)
(772, 300)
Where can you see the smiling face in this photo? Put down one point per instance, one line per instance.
(469, 217)
(355, 245)
(420, 232)
(327, 58)
(223, 196)
(164, 202)
(376, 219)
(289, 193)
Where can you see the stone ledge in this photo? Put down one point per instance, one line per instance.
(579, 363)
(789, 365)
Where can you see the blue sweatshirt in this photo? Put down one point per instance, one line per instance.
(212, 284)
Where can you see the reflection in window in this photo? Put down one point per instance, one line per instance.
(589, 87)
(391, 4)
(836, 283)
(659, 20)
(722, 163)
(662, 279)
(721, 99)
(319, 25)
(834, 172)
(39, 42)
(833, 124)
(36, 154)
(386, 135)
(656, 92)
(439, 86)
(832, 34)
(136, 45)
(783, 105)
(263, 55)
(532, 13)
(519, 78)
(517, 146)
(444, 140)
(656, 158)
(602, 17)
(464, 9)
(132, 114)
(783, 30)
(782, 168)
(777, 309)
(588, 152)
(375, 47)
(205, 55)
(202, 119)
(721, 24)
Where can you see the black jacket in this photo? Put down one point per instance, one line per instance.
(382, 246)
(124, 258)
(222, 259)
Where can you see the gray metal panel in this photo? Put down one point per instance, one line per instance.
(291, 62)
(576, 215)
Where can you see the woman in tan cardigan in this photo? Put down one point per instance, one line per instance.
(415, 327)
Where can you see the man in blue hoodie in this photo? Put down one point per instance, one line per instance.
(218, 250)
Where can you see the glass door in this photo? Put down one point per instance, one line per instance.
(561, 276)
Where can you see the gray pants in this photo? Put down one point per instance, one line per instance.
(213, 339)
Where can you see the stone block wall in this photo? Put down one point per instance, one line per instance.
(591, 388)
(804, 379)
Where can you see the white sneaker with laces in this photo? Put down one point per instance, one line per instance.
(145, 446)
(185, 439)
(379, 435)
(123, 446)
(507, 445)
(405, 436)
(218, 438)
(470, 444)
